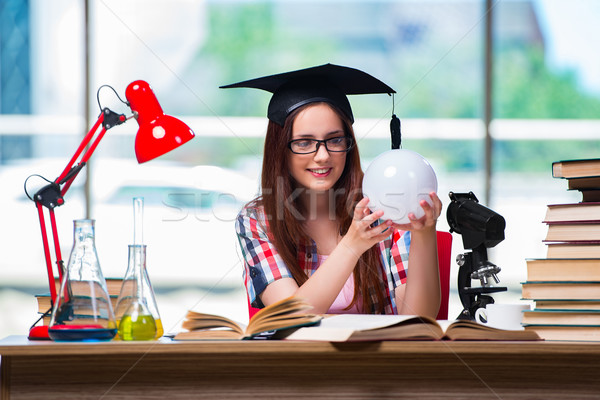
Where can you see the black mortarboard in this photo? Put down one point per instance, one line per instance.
(329, 83)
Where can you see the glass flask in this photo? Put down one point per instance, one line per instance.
(136, 310)
(83, 311)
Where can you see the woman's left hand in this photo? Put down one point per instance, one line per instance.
(428, 221)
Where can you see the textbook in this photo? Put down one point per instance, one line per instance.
(283, 315)
(576, 168)
(590, 195)
(562, 333)
(44, 303)
(563, 269)
(563, 317)
(560, 305)
(589, 182)
(113, 285)
(560, 290)
(573, 250)
(366, 327)
(572, 212)
(580, 232)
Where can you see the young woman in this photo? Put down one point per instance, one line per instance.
(310, 233)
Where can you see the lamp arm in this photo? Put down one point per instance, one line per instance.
(86, 140)
(47, 252)
(52, 195)
(108, 119)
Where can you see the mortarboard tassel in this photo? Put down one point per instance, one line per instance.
(395, 131)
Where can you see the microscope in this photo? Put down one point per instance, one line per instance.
(481, 228)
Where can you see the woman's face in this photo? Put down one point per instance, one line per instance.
(317, 171)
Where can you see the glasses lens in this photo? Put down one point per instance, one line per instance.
(338, 144)
(303, 146)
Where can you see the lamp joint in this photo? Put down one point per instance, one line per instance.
(111, 118)
(49, 196)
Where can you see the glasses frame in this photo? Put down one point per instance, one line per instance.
(324, 142)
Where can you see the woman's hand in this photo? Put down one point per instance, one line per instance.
(361, 235)
(426, 222)
(421, 295)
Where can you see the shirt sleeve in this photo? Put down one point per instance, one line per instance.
(399, 257)
(262, 263)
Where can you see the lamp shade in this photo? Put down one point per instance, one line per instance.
(396, 181)
(158, 133)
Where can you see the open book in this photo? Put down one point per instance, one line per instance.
(284, 315)
(362, 327)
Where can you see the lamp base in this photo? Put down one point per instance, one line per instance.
(39, 333)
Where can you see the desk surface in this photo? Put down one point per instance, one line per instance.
(21, 346)
(285, 369)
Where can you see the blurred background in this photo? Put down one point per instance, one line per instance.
(492, 128)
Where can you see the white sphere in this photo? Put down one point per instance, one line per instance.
(396, 181)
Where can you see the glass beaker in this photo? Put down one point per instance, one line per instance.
(83, 310)
(136, 311)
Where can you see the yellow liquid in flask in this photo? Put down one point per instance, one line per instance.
(139, 327)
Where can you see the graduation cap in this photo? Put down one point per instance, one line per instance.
(328, 83)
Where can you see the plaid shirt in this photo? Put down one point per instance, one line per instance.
(263, 264)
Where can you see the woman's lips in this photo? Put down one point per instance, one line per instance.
(320, 172)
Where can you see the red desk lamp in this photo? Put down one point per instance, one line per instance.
(158, 134)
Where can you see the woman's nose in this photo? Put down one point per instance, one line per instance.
(321, 153)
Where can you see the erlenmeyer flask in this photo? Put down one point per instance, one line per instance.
(136, 310)
(148, 294)
(133, 310)
(83, 310)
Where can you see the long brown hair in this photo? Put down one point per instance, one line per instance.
(281, 209)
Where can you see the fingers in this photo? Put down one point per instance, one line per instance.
(437, 204)
(363, 214)
(382, 230)
(432, 212)
(361, 209)
(369, 219)
(364, 220)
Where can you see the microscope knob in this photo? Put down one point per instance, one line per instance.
(496, 278)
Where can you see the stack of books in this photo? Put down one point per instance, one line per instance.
(566, 285)
(113, 285)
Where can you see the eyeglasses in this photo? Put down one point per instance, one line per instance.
(334, 145)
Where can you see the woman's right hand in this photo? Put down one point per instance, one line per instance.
(361, 236)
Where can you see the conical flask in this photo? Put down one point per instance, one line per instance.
(83, 310)
(136, 310)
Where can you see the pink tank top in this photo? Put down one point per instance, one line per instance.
(344, 298)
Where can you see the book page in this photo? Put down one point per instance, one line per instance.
(362, 321)
(471, 330)
(344, 327)
(284, 314)
(196, 320)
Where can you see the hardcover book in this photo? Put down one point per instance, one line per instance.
(44, 303)
(590, 195)
(286, 314)
(572, 212)
(365, 327)
(573, 250)
(563, 269)
(579, 305)
(567, 232)
(575, 333)
(565, 317)
(576, 168)
(560, 290)
(589, 182)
